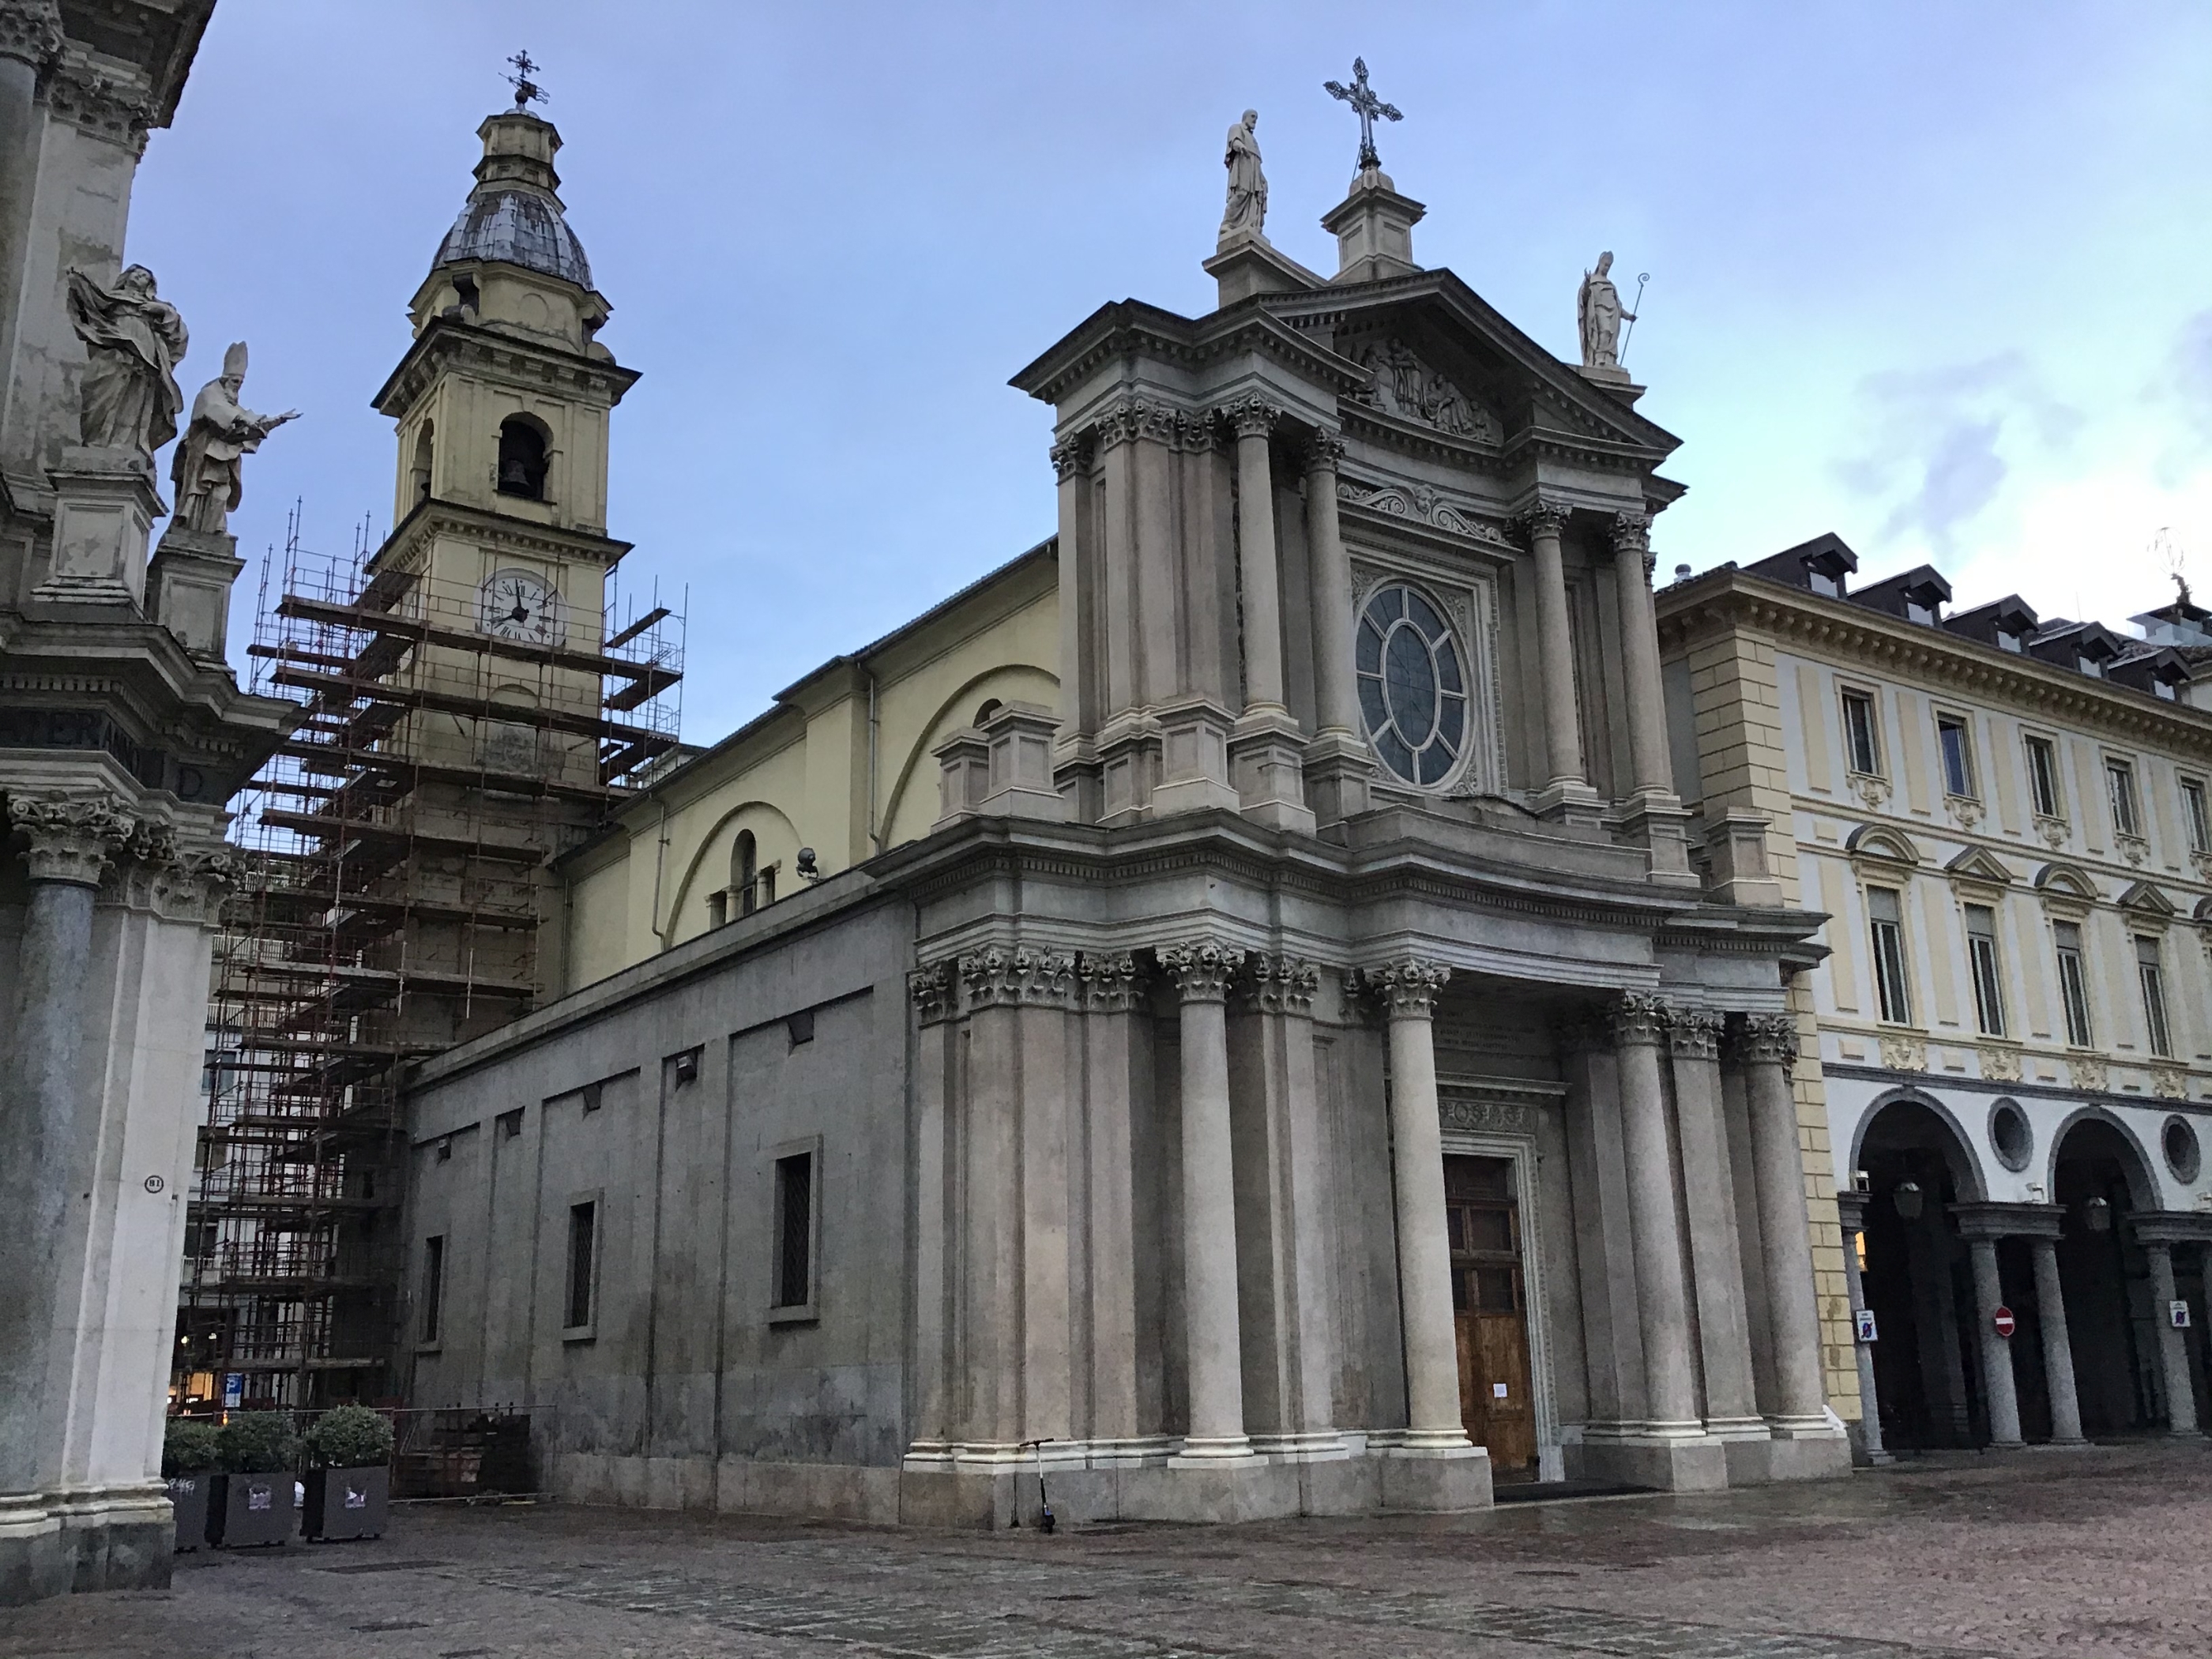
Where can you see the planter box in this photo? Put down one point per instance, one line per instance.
(188, 1496)
(245, 1510)
(347, 1503)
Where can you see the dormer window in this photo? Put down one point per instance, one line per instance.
(2093, 666)
(2162, 690)
(1915, 611)
(1823, 582)
(2009, 640)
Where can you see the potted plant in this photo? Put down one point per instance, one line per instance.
(253, 1501)
(348, 1474)
(188, 1455)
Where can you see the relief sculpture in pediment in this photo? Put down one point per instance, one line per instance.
(1402, 385)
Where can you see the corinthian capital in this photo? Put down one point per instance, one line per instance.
(1072, 456)
(30, 31)
(1638, 1019)
(1631, 533)
(933, 991)
(1201, 969)
(1694, 1033)
(1406, 989)
(1251, 417)
(1281, 985)
(71, 840)
(1324, 453)
(1764, 1040)
(1546, 518)
(1107, 981)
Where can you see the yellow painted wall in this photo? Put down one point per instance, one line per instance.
(801, 776)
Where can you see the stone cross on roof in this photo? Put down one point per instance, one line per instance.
(1362, 99)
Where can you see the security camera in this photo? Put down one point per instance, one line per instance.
(809, 869)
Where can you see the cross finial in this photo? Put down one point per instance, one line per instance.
(526, 91)
(1362, 99)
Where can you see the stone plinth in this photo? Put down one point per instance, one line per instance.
(1248, 264)
(1374, 230)
(190, 578)
(105, 505)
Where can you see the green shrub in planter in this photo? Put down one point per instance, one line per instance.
(349, 1477)
(189, 1447)
(348, 1437)
(259, 1443)
(188, 1452)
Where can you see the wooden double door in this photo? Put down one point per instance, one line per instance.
(1490, 1306)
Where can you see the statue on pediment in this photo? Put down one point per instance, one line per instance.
(206, 470)
(1598, 307)
(1247, 210)
(132, 340)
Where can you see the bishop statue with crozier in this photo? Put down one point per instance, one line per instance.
(206, 469)
(1247, 210)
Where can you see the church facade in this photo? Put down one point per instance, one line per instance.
(1229, 1011)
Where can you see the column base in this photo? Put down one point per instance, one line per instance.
(1807, 1457)
(1129, 760)
(1267, 759)
(1340, 775)
(1439, 1480)
(1571, 802)
(1665, 1463)
(1212, 1452)
(113, 1538)
(1193, 777)
(1321, 1446)
(1656, 822)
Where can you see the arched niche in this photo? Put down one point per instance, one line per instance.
(911, 803)
(709, 869)
(525, 455)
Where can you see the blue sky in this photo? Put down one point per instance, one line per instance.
(1933, 276)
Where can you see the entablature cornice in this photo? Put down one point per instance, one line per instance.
(1874, 642)
(434, 515)
(497, 355)
(1130, 328)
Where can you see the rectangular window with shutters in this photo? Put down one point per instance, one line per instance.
(792, 1269)
(2043, 778)
(433, 1289)
(1885, 920)
(1862, 734)
(2120, 794)
(582, 1285)
(1956, 744)
(2195, 815)
(2073, 982)
(1982, 957)
(2152, 972)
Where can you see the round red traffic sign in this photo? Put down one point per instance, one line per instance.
(2003, 1321)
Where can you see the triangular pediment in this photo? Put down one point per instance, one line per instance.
(2147, 900)
(1977, 865)
(1456, 334)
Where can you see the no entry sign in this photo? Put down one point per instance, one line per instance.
(2003, 1322)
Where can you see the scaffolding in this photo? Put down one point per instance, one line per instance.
(397, 899)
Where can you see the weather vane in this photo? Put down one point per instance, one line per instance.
(526, 91)
(1362, 99)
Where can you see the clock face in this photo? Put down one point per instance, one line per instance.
(520, 605)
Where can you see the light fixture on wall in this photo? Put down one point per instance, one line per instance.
(1907, 1196)
(2098, 1215)
(1861, 1181)
(2035, 1195)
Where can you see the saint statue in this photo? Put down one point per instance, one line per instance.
(205, 471)
(1599, 306)
(132, 340)
(1248, 187)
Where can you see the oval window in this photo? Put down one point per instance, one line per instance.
(1412, 686)
(2011, 1139)
(2182, 1153)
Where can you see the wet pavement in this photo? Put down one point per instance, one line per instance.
(2103, 1552)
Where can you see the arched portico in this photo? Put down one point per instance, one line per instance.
(1916, 1274)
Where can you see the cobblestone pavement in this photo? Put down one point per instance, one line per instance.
(2106, 1551)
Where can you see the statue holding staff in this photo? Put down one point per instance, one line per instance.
(206, 471)
(1598, 305)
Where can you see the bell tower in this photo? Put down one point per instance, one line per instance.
(503, 405)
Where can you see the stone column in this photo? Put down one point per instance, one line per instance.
(1851, 1208)
(1338, 763)
(1082, 607)
(1108, 987)
(934, 995)
(1663, 1303)
(987, 1348)
(1766, 1048)
(70, 844)
(2173, 1347)
(1408, 990)
(1650, 768)
(1266, 749)
(1998, 1392)
(2058, 1349)
(30, 39)
(1555, 652)
(1201, 972)
(1731, 1405)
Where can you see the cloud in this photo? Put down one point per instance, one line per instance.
(1941, 442)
